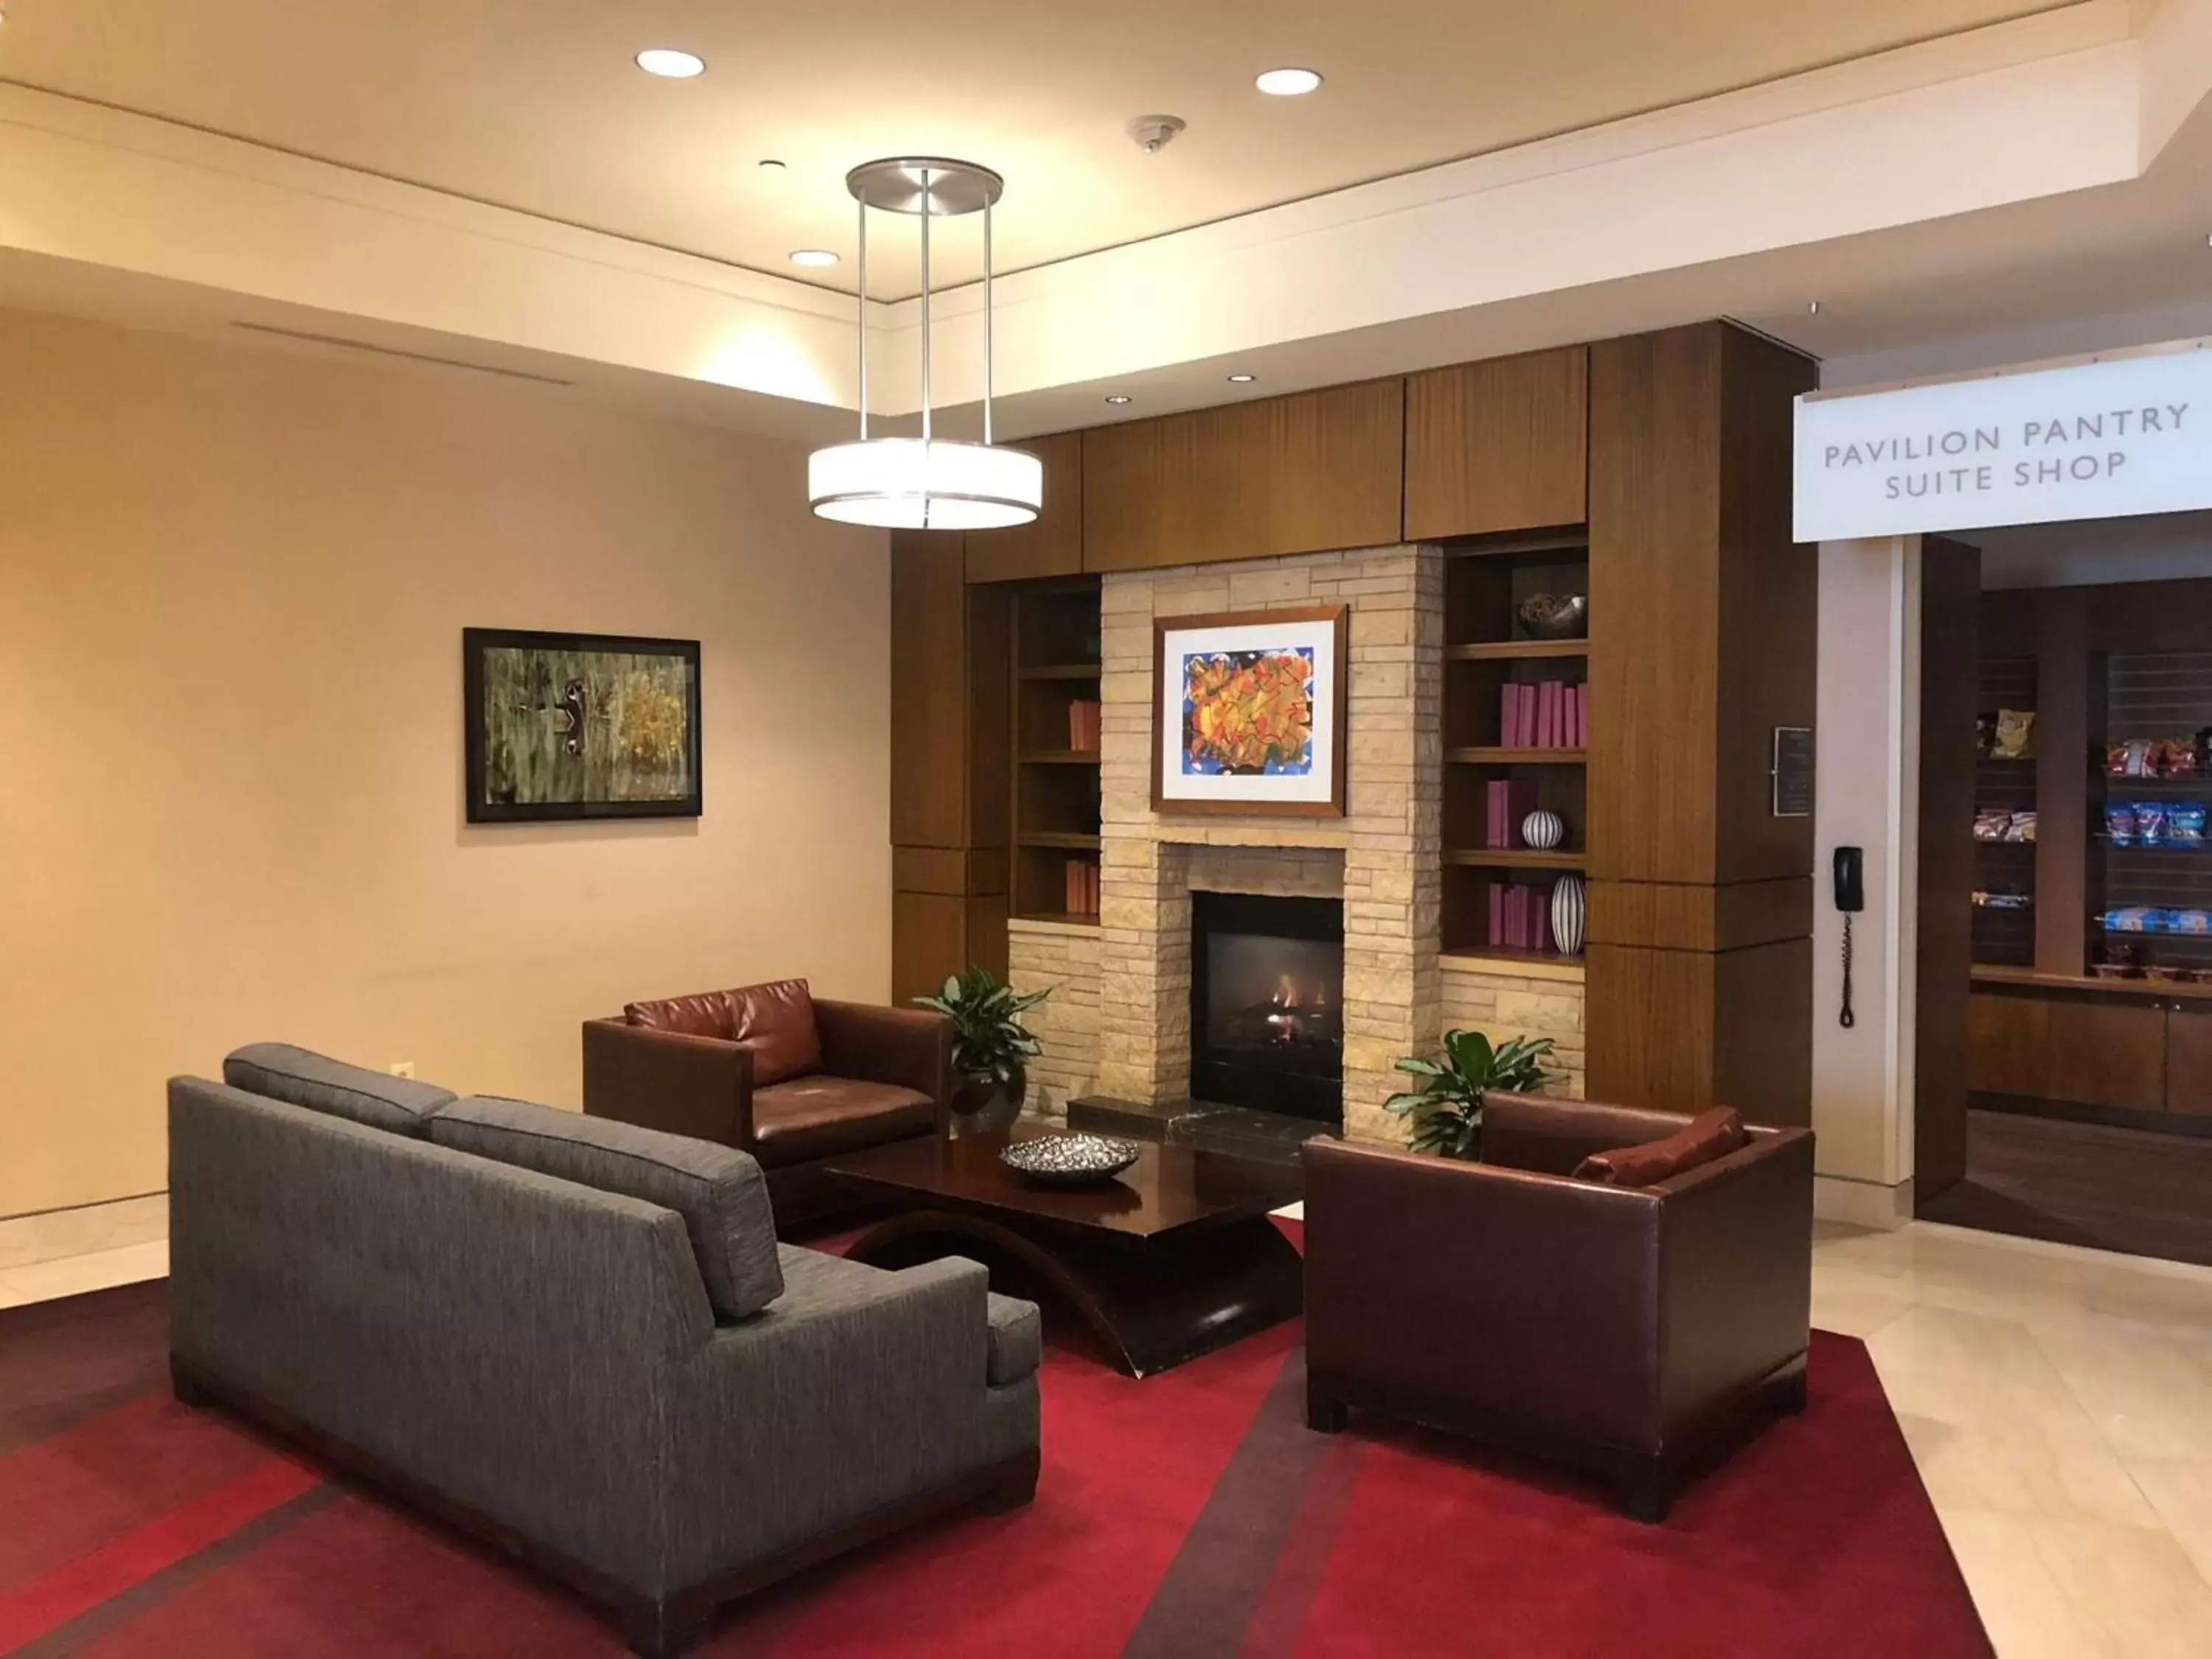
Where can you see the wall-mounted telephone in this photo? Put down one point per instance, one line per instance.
(1851, 899)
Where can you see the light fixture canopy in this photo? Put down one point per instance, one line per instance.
(1117, 397)
(927, 483)
(1288, 83)
(1243, 379)
(671, 64)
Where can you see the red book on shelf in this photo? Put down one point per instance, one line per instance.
(1570, 698)
(1520, 801)
(1509, 712)
(1524, 735)
(1582, 716)
(1493, 815)
(1547, 715)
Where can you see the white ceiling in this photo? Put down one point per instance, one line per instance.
(535, 104)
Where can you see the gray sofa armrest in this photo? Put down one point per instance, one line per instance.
(856, 1389)
(1016, 1340)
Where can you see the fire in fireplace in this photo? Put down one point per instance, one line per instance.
(1266, 994)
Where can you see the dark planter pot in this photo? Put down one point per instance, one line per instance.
(982, 1105)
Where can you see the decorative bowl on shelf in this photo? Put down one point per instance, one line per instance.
(1071, 1160)
(1555, 615)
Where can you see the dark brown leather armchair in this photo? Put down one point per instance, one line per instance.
(861, 1076)
(1639, 1331)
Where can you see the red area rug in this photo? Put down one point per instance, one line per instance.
(1189, 1514)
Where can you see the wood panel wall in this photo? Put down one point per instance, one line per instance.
(950, 750)
(1308, 473)
(1497, 446)
(1052, 543)
(1703, 630)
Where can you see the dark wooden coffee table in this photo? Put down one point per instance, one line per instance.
(1173, 1259)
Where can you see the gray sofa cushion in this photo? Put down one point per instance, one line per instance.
(1014, 1336)
(1016, 1340)
(717, 1190)
(298, 1076)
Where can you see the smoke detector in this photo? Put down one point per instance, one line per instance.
(1153, 133)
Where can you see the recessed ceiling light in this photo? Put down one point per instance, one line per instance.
(814, 258)
(1814, 310)
(1117, 397)
(667, 62)
(1288, 83)
(1241, 379)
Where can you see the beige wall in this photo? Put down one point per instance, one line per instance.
(233, 582)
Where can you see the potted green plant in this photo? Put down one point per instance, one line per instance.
(1447, 1109)
(991, 1046)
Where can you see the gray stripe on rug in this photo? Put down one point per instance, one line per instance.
(151, 1591)
(1210, 1589)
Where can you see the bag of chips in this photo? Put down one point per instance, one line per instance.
(2150, 823)
(2119, 822)
(2185, 824)
(2015, 736)
(1991, 822)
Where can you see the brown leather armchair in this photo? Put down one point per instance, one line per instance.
(797, 1081)
(1637, 1331)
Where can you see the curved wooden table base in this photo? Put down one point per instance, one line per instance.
(1152, 1303)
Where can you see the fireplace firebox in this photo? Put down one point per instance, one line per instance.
(1266, 1000)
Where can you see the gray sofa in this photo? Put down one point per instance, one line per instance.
(576, 1338)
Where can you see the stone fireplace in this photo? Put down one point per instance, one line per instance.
(1267, 1004)
(1121, 1022)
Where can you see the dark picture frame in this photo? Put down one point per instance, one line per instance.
(1330, 709)
(569, 784)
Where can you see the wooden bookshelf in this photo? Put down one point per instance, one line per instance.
(1516, 650)
(1485, 650)
(1522, 858)
(1056, 784)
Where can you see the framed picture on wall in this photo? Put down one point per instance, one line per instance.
(1250, 711)
(580, 726)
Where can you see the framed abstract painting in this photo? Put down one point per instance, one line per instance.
(1250, 713)
(580, 726)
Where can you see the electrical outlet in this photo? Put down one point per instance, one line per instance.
(403, 1068)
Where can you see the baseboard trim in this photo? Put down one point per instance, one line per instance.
(1862, 1203)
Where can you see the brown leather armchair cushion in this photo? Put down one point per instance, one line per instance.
(822, 1116)
(1705, 1137)
(706, 1014)
(777, 1020)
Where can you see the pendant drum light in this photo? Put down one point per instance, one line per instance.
(927, 483)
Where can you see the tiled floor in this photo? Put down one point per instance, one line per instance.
(2058, 1402)
(65, 1252)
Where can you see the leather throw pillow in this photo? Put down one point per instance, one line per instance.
(776, 1020)
(1709, 1135)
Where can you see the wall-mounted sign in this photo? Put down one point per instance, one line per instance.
(2104, 439)
(1792, 772)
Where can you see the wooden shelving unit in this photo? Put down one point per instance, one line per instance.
(1484, 651)
(1055, 785)
(2005, 938)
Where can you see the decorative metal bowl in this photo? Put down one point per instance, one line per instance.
(1076, 1160)
(1556, 616)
